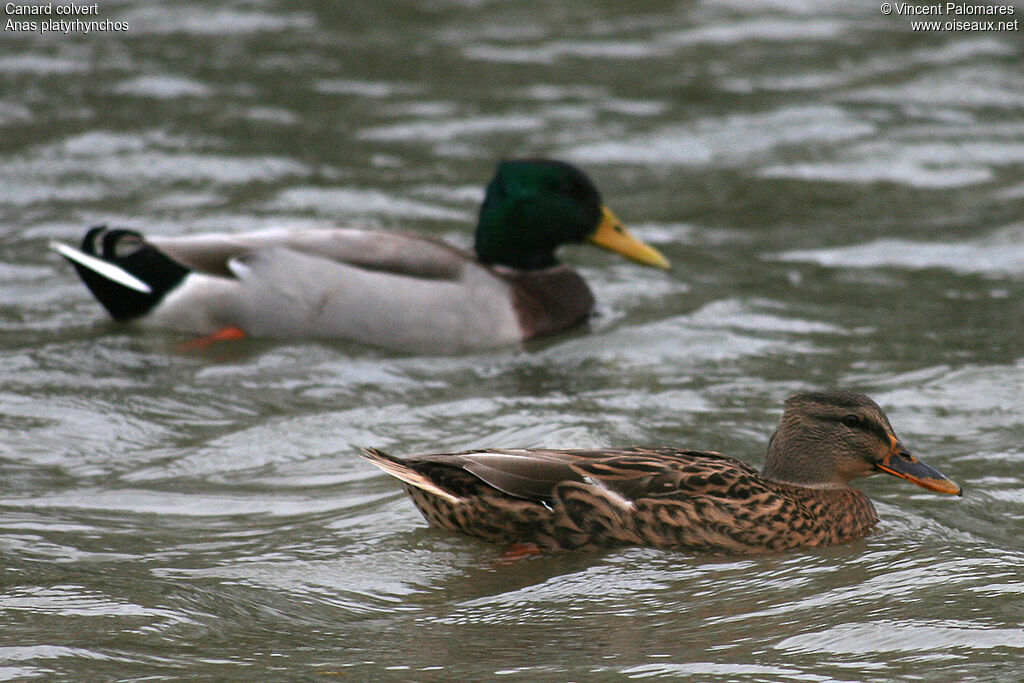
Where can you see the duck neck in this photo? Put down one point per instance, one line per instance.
(496, 244)
(836, 512)
(784, 464)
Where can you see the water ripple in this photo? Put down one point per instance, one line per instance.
(992, 254)
(733, 139)
(915, 637)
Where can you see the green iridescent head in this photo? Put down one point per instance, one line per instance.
(533, 206)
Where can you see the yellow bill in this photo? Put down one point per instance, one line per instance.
(613, 236)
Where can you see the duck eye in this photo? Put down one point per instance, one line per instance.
(851, 421)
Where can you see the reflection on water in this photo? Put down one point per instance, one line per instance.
(841, 198)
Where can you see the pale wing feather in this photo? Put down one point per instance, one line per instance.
(387, 251)
(403, 472)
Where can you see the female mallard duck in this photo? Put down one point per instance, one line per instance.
(671, 498)
(384, 289)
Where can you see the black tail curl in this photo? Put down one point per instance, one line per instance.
(130, 251)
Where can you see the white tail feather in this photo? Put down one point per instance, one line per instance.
(104, 268)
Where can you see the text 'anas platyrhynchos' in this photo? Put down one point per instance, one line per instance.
(384, 289)
(672, 498)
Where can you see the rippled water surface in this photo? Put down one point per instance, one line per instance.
(842, 199)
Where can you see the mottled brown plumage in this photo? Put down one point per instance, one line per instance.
(672, 498)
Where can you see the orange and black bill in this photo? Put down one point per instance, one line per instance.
(901, 463)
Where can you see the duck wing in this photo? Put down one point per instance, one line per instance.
(669, 473)
(527, 474)
(392, 252)
(628, 473)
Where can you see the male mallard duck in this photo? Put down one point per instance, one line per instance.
(384, 289)
(672, 498)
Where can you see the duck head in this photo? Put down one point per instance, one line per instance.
(828, 439)
(532, 206)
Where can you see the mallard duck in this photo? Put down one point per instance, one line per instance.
(384, 289)
(673, 498)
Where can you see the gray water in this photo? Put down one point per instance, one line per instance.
(841, 197)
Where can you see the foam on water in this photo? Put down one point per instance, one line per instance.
(338, 201)
(996, 254)
(195, 20)
(163, 87)
(123, 162)
(12, 112)
(755, 30)
(907, 637)
(450, 129)
(728, 140)
(373, 89)
(41, 64)
(971, 87)
(937, 164)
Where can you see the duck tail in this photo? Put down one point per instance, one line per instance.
(126, 274)
(405, 472)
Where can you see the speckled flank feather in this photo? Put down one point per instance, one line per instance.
(660, 497)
